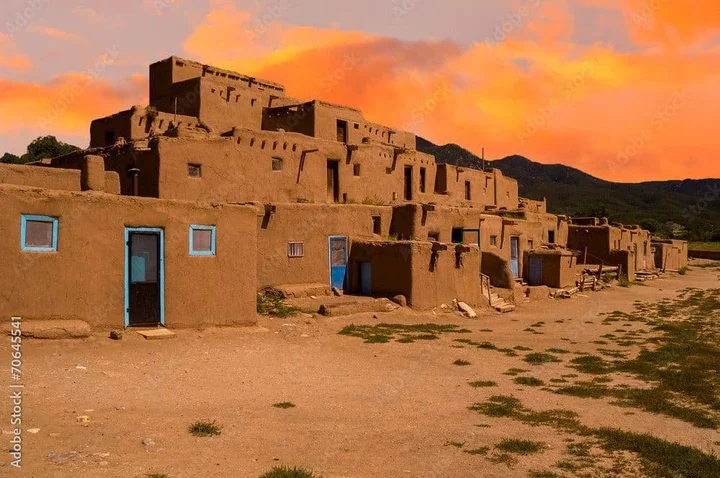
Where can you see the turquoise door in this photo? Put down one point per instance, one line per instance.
(338, 261)
(514, 255)
(365, 278)
(536, 270)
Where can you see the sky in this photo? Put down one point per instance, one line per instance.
(626, 90)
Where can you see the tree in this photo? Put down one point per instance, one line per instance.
(10, 158)
(40, 148)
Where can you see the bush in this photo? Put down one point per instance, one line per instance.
(205, 429)
(287, 472)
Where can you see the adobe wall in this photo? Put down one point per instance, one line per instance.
(506, 191)
(85, 278)
(119, 160)
(296, 118)
(238, 168)
(451, 182)
(597, 239)
(534, 206)
(52, 178)
(672, 254)
(134, 124)
(311, 224)
(436, 276)
(558, 268)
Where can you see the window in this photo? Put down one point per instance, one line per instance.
(531, 244)
(277, 164)
(194, 170)
(296, 249)
(342, 131)
(356, 169)
(457, 235)
(38, 233)
(493, 240)
(467, 190)
(551, 237)
(434, 236)
(422, 180)
(202, 240)
(109, 138)
(377, 225)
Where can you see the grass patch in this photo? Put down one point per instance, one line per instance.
(543, 474)
(271, 303)
(557, 351)
(205, 429)
(522, 348)
(520, 447)
(591, 364)
(482, 383)
(704, 246)
(156, 475)
(515, 371)
(284, 405)
(540, 358)
(530, 381)
(456, 444)
(287, 472)
(461, 363)
(659, 457)
(383, 333)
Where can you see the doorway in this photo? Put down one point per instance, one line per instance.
(338, 261)
(144, 277)
(333, 180)
(514, 255)
(342, 131)
(408, 183)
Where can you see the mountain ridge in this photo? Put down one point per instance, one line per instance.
(687, 208)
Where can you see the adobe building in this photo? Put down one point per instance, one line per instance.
(183, 209)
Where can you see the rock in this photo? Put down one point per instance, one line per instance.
(443, 306)
(83, 419)
(462, 306)
(337, 291)
(148, 442)
(61, 458)
(33, 430)
(81, 367)
(400, 300)
(116, 335)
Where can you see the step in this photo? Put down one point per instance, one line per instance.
(504, 309)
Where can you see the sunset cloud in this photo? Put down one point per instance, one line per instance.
(10, 58)
(615, 114)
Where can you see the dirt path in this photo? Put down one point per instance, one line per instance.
(362, 410)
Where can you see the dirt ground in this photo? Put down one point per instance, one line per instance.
(362, 409)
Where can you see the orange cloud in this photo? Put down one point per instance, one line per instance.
(51, 32)
(623, 116)
(66, 104)
(10, 58)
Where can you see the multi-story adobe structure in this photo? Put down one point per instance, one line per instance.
(180, 211)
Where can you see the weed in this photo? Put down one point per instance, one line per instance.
(522, 348)
(515, 371)
(543, 474)
(482, 383)
(287, 472)
(558, 351)
(383, 333)
(156, 475)
(271, 303)
(284, 405)
(205, 429)
(461, 363)
(520, 447)
(540, 358)
(478, 451)
(456, 444)
(530, 381)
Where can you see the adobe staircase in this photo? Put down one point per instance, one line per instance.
(495, 301)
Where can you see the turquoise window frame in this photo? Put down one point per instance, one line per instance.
(36, 218)
(197, 227)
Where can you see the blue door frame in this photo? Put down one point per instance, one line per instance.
(337, 259)
(514, 255)
(161, 261)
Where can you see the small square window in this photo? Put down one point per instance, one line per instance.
(531, 244)
(202, 240)
(296, 249)
(377, 225)
(493, 240)
(194, 170)
(551, 237)
(356, 169)
(38, 233)
(277, 164)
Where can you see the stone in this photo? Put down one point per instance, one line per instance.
(61, 458)
(148, 442)
(400, 300)
(157, 334)
(467, 310)
(83, 419)
(116, 335)
(33, 430)
(337, 292)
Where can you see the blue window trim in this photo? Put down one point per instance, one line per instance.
(160, 231)
(196, 227)
(23, 226)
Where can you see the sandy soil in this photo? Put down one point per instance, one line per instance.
(362, 410)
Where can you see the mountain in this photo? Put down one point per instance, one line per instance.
(688, 208)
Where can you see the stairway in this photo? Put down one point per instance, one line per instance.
(499, 304)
